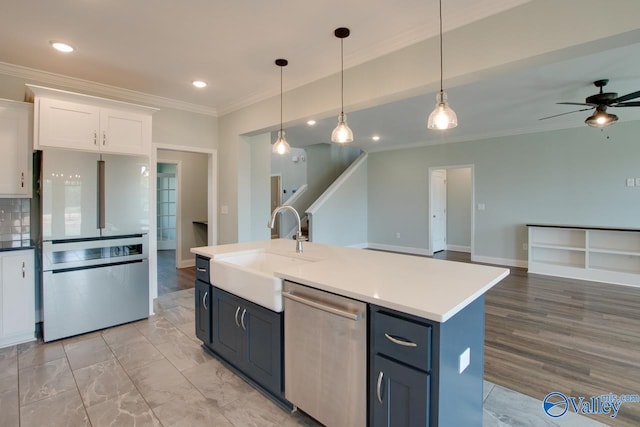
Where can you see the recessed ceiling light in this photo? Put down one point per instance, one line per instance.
(375, 138)
(199, 84)
(311, 122)
(62, 47)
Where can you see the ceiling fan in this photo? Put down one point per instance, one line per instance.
(600, 102)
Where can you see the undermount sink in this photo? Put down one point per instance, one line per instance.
(250, 275)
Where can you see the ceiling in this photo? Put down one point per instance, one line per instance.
(158, 48)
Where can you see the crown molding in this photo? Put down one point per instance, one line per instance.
(31, 74)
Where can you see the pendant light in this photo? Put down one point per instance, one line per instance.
(281, 146)
(342, 134)
(442, 117)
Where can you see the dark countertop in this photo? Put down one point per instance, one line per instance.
(584, 227)
(17, 245)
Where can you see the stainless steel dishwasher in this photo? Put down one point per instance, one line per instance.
(325, 339)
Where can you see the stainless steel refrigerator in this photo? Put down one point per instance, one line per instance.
(95, 225)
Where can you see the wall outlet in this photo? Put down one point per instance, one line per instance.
(631, 182)
(464, 360)
(481, 206)
(224, 209)
(397, 235)
(637, 182)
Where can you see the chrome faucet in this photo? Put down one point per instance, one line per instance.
(299, 237)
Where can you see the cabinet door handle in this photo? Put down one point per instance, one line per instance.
(104, 137)
(242, 319)
(23, 269)
(202, 270)
(237, 311)
(22, 180)
(204, 300)
(400, 341)
(379, 387)
(95, 137)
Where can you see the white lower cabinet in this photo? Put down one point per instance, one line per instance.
(17, 297)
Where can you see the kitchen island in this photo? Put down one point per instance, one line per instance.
(424, 326)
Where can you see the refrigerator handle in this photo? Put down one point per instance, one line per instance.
(101, 199)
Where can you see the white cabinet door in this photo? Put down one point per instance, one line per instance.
(67, 124)
(15, 146)
(124, 132)
(18, 300)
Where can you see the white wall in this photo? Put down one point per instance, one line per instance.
(573, 176)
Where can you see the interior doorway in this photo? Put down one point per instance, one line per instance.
(195, 214)
(451, 215)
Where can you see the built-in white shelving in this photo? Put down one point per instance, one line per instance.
(602, 254)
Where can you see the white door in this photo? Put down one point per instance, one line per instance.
(438, 230)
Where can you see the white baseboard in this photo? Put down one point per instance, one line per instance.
(185, 263)
(499, 261)
(459, 248)
(360, 246)
(402, 249)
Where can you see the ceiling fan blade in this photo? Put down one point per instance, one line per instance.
(576, 103)
(627, 97)
(562, 114)
(628, 104)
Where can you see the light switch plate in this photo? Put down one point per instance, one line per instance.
(224, 209)
(637, 182)
(631, 182)
(481, 206)
(464, 360)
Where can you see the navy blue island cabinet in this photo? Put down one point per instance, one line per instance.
(245, 336)
(418, 374)
(421, 372)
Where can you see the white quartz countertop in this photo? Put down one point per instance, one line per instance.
(425, 287)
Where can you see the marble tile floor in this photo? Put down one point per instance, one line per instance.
(154, 373)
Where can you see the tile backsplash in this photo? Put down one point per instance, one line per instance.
(15, 215)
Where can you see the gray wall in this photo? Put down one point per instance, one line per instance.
(294, 174)
(342, 219)
(459, 208)
(573, 176)
(192, 190)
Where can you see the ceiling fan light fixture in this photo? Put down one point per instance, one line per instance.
(342, 134)
(601, 119)
(442, 117)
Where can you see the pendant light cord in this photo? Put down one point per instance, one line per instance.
(441, 69)
(342, 76)
(281, 99)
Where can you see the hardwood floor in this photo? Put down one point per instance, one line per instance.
(170, 278)
(546, 334)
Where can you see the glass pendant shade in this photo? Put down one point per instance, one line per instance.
(281, 145)
(342, 133)
(442, 117)
(601, 119)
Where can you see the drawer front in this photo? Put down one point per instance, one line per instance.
(403, 340)
(202, 269)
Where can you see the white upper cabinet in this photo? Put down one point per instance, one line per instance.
(81, 122)
(15, 146)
